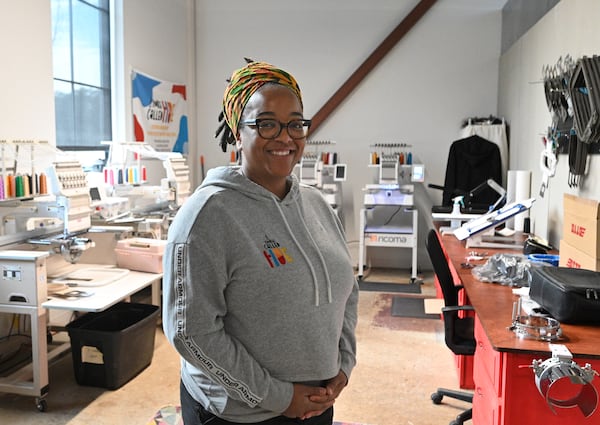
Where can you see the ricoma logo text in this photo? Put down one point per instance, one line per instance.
(388, 239)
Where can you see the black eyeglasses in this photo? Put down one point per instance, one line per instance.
(269, 128)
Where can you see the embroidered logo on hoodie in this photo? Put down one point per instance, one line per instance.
(275, 254)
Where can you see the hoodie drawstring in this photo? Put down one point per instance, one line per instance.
(312, 270)
(323, 262)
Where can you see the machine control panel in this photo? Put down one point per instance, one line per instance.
(24, 278)
(11, 272)
(68, 179)
(388, 195)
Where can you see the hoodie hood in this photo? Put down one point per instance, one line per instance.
(231, 178)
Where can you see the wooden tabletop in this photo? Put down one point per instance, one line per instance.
(493, 304)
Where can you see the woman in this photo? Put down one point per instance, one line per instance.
(259, 291)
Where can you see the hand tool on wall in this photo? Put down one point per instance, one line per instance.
(548, 162)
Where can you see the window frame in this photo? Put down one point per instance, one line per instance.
(103, 9)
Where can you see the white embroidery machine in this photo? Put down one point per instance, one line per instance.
(152, 195)
(32, 228)
(321, 170)
(389, 217)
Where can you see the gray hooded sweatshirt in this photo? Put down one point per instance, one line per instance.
(259, 293)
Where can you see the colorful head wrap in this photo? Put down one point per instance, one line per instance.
(243, 83)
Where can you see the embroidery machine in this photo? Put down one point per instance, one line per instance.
(134, 193)
(388, 217)
(322, 170)
(35, 224)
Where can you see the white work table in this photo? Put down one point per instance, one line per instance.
(32, 379)
(107, 295)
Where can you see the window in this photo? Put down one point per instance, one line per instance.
(81, 55)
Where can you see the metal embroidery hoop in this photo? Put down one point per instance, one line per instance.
(559, 367)
(537, 327)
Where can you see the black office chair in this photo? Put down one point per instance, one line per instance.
(458, 331)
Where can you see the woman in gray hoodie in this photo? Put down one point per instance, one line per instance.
(260, 297)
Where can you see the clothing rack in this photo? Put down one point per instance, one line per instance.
(490, 120)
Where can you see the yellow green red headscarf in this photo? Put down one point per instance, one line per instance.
(247, 80)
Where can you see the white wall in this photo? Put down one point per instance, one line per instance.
(157, 40)
(443, 71)
(27, 106)
(570, 28)
(154, 37)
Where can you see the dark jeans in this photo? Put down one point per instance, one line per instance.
(194, 414)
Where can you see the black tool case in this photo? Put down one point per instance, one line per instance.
(569, 295)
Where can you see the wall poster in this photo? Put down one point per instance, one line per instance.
(159, 113)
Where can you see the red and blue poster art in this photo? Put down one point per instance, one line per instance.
(159, 113)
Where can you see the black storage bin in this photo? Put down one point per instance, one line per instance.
(111, 347)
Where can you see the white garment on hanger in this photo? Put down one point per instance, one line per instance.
(495, 133)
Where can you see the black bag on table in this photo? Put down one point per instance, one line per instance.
(569, 295)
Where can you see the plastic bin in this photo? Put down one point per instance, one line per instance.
(111, 347)
(141, 254)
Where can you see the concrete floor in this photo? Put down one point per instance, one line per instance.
(401, 361)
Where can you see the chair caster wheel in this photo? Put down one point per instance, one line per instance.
(457, 421)
(41, 405)
(436, 398)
